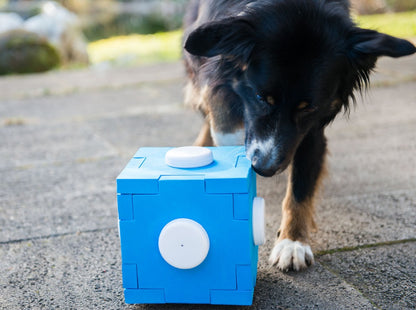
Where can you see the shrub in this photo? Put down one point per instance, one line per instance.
(25, 52)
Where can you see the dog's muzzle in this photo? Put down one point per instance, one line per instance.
(264, 168)
(265, 159)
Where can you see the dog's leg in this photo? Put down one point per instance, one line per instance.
(221, 107)
(226, 116)
(292, 250)
(204, 138)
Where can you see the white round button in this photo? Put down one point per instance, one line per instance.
(183, 243)
(259, 231)
(189, 157)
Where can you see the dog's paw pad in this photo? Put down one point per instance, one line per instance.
(291, 255)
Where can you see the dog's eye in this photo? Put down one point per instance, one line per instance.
(303, 105)
(268, 99)
(305, 108)
(260, 97)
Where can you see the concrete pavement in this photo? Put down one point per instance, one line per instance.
(65, 136)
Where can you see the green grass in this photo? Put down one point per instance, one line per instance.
(401, 25)
(163, 47)
(137, 49)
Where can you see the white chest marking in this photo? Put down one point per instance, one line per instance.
(230, 139)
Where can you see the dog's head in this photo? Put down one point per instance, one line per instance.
(298, 63)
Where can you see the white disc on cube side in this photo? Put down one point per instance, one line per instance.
(259, 229)
(183, 243)
(189, 157)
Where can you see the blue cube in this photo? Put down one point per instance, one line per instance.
(189, 235)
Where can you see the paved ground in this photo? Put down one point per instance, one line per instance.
(65, 136)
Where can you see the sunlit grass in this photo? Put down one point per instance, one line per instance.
(137, 49)
(402, 25)
(163, 47)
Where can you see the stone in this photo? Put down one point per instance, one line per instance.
(10, 21)
(62, 28)
(25, 52)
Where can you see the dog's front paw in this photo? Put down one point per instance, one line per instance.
(291, 255)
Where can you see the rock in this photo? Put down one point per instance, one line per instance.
(22, 51)
(10, 21)
(62, 29)
(369, 6)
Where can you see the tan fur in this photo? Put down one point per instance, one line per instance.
(298, 217)
(336, 104)
(204, 138)
(191, 95)
(303, 105)
(197, 98)
(270, 100)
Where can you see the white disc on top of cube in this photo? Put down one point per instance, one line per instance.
(183, 243)
(189, 157)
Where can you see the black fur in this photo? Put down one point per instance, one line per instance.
(282, 69)
(290, 50)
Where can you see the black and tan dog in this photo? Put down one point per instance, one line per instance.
(272, 74)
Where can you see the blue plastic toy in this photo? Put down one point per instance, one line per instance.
(189, 234)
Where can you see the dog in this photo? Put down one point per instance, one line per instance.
(272, 74)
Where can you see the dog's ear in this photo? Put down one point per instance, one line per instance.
(339, 4)
(374, 44)
(233, 37)
(363, 48)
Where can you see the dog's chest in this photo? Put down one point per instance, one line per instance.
(224, 139)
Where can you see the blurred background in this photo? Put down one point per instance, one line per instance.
(37, 36)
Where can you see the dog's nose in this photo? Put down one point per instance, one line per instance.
(267, 165)
(263, 172)
(261, 167)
